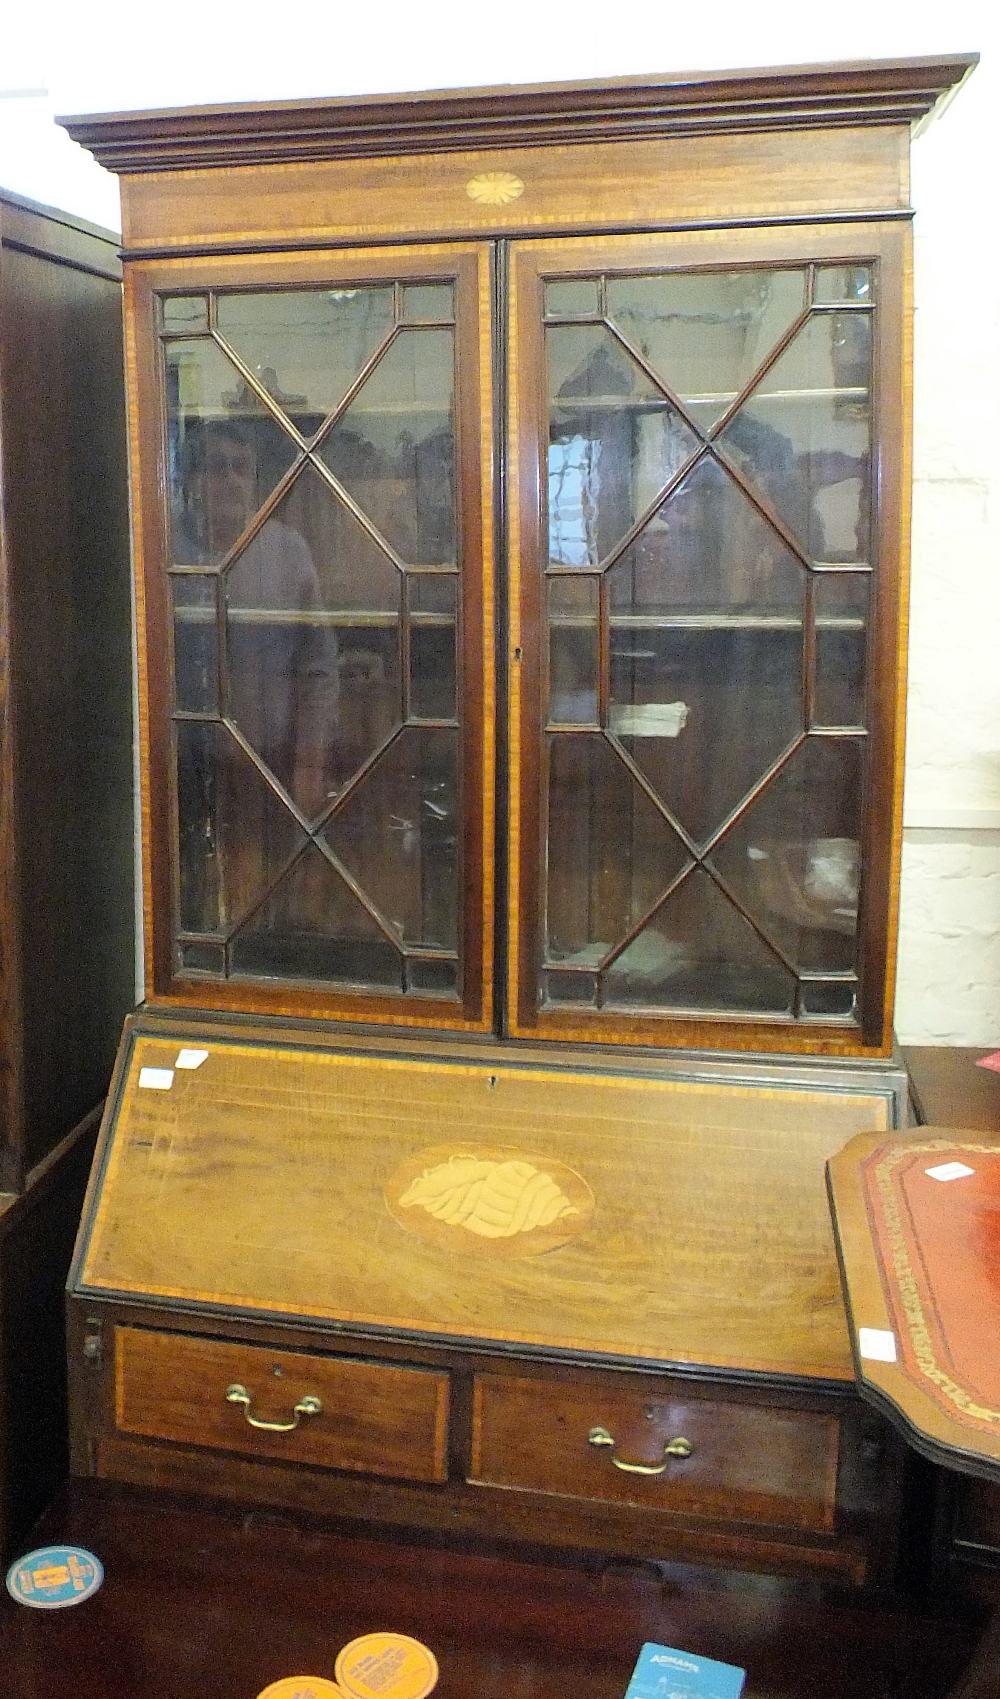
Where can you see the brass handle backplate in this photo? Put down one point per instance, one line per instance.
(679, 1447)
(307, 1406)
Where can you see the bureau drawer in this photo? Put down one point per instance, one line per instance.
(374, 1417)
(747, 1462)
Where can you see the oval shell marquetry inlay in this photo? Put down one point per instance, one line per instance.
(494, 188)
(504, 1201)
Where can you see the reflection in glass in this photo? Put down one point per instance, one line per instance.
(611, 854)
(706, 648)
(433, 593)
(566, 296)
(432, 650)
(703, 621)
(829, 999)
(705, 713)
(393, 449)
(434, 978)
(578, 988)
(706, 333)
(700, 953)
(196, 646)
(841, 602)
(313, 927)
(396, 834)
(803, 438)
(573, 650)
(614, 443)
(282, 654)
(304, 675)
(234, 833)
(794, 858)
(185, 313)
(430, 302)
(842, 283)
(312, 609)
(202, 957)
(306, 346)
(225, 453)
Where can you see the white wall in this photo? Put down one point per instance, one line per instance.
(112, 56)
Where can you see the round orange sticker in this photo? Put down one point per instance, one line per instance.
(301, 1687)
(386, 1666)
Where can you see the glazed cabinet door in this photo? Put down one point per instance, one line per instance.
(706, 444)
(313, 500)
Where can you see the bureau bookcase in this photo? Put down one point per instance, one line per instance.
(520, 518)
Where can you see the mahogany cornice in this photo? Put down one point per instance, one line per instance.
(903, 91)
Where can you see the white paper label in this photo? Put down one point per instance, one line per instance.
(878, 1344)
(156, 1079)
(190, 1058)
(950, 1171)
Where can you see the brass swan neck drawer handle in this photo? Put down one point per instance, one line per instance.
(307, 1406)
(679, 1447)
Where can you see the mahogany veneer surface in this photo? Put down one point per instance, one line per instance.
(690, 1220)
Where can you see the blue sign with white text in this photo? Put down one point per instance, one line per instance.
(663, 1672)
(53, 1577)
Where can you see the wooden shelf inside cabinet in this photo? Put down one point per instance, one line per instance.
(706, 621)
(346, 618)
(643, 405)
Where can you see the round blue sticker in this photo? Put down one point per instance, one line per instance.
(53, 1577)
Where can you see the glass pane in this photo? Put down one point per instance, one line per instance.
(706, 648)
(841, 601)
(185, 313)
(700, 953)
(434, 978)
(706, 333)
(433, 593)
(196, 648)
(313, 927)
(432, 654)
(794, 858)
(429, 301)
(834, 999)
(573, 650)
(580, 988)
(842, 283)
(614, 443)
(202, 958)
(234, 834)
(803, 438)
(394, 447)
(306, 346)
(313, 676)
(225, 453)
(565, 296)
(610, 854)
(397, 836)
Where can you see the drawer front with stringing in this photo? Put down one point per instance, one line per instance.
(691, 1456)
(336, 1412)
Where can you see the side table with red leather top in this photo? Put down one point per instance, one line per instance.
(917, 1224)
